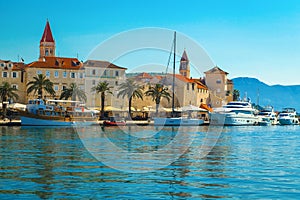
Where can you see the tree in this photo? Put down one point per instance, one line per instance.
(102, 88)
(131, 90)
(73, 92)
(236, 95)
(40, 84)
(7, 92)
(157, 93)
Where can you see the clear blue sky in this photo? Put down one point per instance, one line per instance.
(245, 38)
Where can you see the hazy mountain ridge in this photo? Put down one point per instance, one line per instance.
(278, 96)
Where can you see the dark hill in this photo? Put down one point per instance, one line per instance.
(278, 96)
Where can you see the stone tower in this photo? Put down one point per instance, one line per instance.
(47, 43)
(184, 68)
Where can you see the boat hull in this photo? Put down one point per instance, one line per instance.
(229, 120)
(108, 123)
(288, 121)
(177, 121)
(29, 119)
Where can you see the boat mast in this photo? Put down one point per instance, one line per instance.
(173, 83)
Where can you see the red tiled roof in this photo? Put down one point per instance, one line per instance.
(144, 75)
(57, 63)
(190, 80)
(101, 64)
(158, 77)
(18, 66)
(47, 35)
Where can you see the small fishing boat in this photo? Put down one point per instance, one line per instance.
(54, 113)
(114, 122)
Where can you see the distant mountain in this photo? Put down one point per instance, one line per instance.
(278, 96)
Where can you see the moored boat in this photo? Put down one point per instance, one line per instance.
(235, 113)
(288, 117)
(41, 113)
(114, 122)
(267, 116)
(178, 121)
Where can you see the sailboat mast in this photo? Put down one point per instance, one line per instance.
(173, 83)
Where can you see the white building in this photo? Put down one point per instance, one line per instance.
(99, 71)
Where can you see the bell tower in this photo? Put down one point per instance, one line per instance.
(47, 43)
(184, 68)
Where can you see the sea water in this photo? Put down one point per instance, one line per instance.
(147, 162)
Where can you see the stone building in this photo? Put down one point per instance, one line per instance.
(61, 71)
(99, 71)
(220, 86)
(14, 74)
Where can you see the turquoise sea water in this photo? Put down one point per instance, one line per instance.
(82, 163)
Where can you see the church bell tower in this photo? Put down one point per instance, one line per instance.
(184, 68)
(47, 43)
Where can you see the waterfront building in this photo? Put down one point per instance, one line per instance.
(220, 87)
(99, 71)
(187, 90)
(62, 71)
(14, 74)
(59, 70)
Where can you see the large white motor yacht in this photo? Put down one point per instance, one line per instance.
(235, 113)
(267, 116)
(288, 117)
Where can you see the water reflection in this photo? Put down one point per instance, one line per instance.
(54, 163)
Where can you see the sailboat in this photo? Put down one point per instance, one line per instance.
(176, 121)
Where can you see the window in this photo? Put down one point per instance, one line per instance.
(14, 74)
(193, 86)
(93, 72)
(46, 52)
(10, 65)
(15, 86)
(65, 74)
(38, 72)
(116, 83)
(2, 64)
(93, 82)
(47, 74)
(56, 74)
(80, 75)
(72, 75)
(117, 73)
(64, 87)
(104, 73)
(4, 74)
(219, 81)
(187, 86)
(56, 87)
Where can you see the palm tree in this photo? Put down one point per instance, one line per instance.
(40, 84)
(73, 92)
(157, 93)
(7, 92)
(102, 88)
(131, 90)
(236, 94)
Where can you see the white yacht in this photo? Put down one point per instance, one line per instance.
(288, 117)
(235, 113)
(267, 117)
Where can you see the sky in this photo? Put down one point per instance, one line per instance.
(246, 38)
